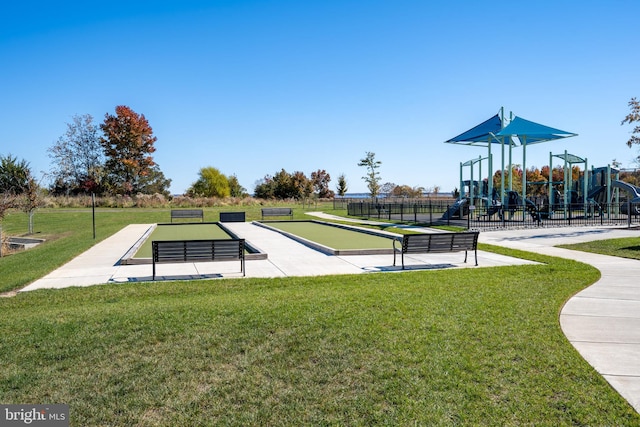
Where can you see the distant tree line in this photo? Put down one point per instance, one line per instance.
(115, 158)
(296, 185)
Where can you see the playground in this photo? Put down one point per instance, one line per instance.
(567, 191)
(559, 192)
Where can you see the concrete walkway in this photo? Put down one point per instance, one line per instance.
(602, 321)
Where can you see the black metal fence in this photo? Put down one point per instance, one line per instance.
(496, 217)
(405, 211)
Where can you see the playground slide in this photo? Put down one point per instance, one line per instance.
(599, 195)
(454, 210)
(634, 192)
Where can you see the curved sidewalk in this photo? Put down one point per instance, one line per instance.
(603, 321)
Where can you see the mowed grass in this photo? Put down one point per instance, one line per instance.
(466, 347)
(477, 346)
(628, 247)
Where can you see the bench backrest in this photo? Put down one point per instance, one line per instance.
(439, 242)
(232, 216)
(197, 250)
(186, 213)
(276, 211)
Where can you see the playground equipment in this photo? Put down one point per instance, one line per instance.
(494, 131)
(514, 202)
(604, 189)
(588, 195)
(572, 198)
(475, 187)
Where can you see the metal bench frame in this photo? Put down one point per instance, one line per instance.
(186, 214)
(180, 251)
(277, 212)
(437, 243)
(232, 217)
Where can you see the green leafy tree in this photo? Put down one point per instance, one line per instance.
(342, 187)
(235, 188)
(211, 183)
(283, 185)
(78, 158)
(128, 143)
(14, 175)
(372, 178)
(265, 188)
(301, 186)
(154, 182)
(18, 187)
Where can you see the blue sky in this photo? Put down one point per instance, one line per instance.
(252, 87)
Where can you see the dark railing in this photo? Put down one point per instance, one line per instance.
(496, 217)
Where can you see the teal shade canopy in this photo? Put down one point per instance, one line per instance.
(482, 134)
(479, 133)
(532, 132)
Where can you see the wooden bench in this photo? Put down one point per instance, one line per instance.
(186, 214)
(277, 212)
(437, 243)
(178, 251)
(232, 217)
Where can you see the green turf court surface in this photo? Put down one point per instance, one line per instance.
(181, 232)
(338, 239)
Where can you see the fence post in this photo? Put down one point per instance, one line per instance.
(628, 212)
(93, 211)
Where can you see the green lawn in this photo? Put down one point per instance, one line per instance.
(626, 247)
(476, 346)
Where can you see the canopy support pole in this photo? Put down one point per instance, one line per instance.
(524, 168)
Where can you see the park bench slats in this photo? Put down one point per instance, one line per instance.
(186, 214)
(268, 212)
(177, 251)
(232, 216)
(437, 243)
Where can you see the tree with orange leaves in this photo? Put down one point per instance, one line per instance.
(128, 144)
